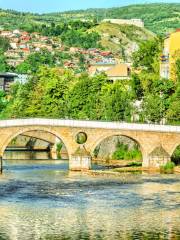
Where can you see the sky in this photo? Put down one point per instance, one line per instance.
(45, 6)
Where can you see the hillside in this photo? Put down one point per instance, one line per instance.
(158, 18)
(122, 39)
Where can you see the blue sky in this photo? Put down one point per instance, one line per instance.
(62, 5)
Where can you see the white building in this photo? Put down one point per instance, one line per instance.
(136, 22)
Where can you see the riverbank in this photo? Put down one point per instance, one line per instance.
(115, 163)
(118, 172)
(177, 169)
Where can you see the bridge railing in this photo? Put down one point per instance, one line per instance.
(88, 124)
(172, 123)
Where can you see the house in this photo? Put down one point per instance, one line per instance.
(101, 63)
(101, 67)
(14, 62)
(13, 45)
(74, 50)
(119, 72)
(6, 79)
(113, 71)
(6, 33)
(168, 57)
(16, 31)
(25, 38)
(25, 34)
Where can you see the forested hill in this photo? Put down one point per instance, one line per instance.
(158, 18)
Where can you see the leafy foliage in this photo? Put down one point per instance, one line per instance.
(176, 156)
(147, 54)
(3, 101)
(57, 93)
(78, 38)
(124, 153)
(4, 44)
(167, 168)
(35, 60)
(4, 67)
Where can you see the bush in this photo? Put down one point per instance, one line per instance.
(124, 153)
(167, 168)
(176, 156)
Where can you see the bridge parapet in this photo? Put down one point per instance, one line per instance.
(89, 124)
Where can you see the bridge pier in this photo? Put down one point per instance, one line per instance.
(1, 165)
(80, 160)
(159, 157)
(156, 158)
(145, 159)
(53, 152)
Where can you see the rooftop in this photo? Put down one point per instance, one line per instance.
(7, 74)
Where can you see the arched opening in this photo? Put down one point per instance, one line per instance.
(35, 144)
(176, 156)
(118, 150)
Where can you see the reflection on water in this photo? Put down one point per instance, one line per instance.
(43, 200)
(23, 155)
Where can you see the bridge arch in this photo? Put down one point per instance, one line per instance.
(175, 156)
(103, 137)
(17, 131)
(174, 147)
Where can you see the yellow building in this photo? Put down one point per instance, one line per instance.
(170, 53)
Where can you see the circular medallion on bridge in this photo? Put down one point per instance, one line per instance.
(81, 137)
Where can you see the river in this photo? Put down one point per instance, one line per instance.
(42, 200)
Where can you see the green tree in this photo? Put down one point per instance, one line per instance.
(3, 64)
(136, 86)
(116, 103)
(83, 99)
(147, 57)
(153, 108)
(173, 113)
(3, 101)
(47, 96)
(4, 44)
(178, 69)
(35, 60)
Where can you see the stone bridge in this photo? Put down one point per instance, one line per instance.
(157, 142)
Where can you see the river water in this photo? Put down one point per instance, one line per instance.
(43, 200)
